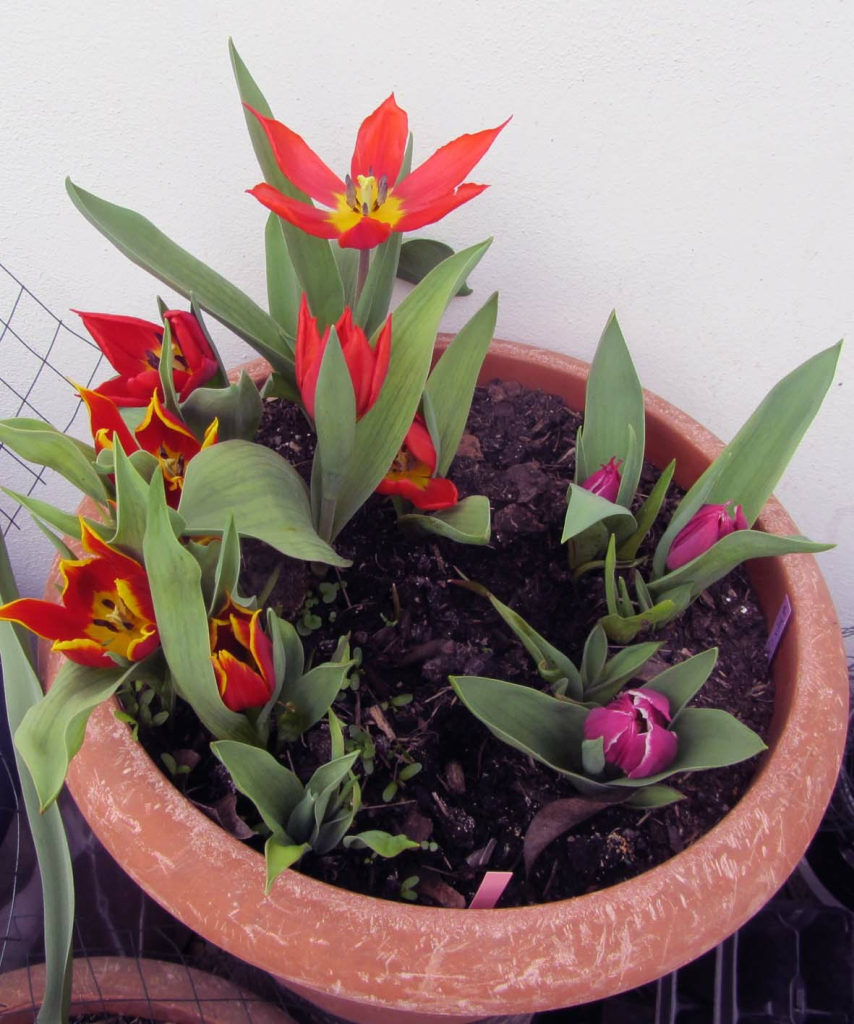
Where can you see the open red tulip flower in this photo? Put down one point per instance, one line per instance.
(133, 347)
(242, 656)
(105, 608)
(411, 475)
(160, 433)
(368, 366)
(367, 205)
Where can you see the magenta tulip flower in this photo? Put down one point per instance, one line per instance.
(606, 480)
(635, 733)
(704, 529)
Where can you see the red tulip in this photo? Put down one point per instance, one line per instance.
(133, 347)
(606, 480)
(368, 366)
(635, 733)
(705, 528)
(242, 656)
(411, 474)
(169, 440)
(105, 608)
(367, 206)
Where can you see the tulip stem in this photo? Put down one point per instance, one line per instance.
(364, 264)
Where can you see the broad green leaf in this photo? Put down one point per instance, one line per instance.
(623, 630)
(548, 729)
(619, 670)
(287, 649)
(283, 287)
(586, 509)
(22, 692)
(646, 515)
(264, 493)
(227, 568)
(381, 430)
(62, 548)
(52, 731)
(372, 307)
(680, 683)
(279, 857)
(274, 789)
(43, 444)
(335, 422)
(649, 797)
(309, 697)
(551, 663)
(307, 817)
(614, 403)
(708, 738)
(418, 256)
(149, 248)
(630, 471)
(65, 522)
(380, 842)
(311, 257)
(593, 657)
(237, 407)
(593, 756)
(750, 466)
(467, 522)
(724, 556)
(131, 503)
(182, 621)
(452, 382)
(610, 578)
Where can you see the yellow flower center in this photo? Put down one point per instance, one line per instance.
(367, 196)
(116, 624)
(173, 464)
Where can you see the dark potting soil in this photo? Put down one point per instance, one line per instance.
(474, 797)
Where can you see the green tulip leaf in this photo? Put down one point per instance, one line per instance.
(648, 798)
(380, 432)
(593, 657)
(307, 817)
(264, 493)
(418, 256)
(279, 856)
(619, 670)
(65, 522)
(646, 515)
(309, 697)
(39, 442)
(149, 248)
(237, 407)
(586, 509)
(283, 287)
(182, 621)
(750, 466)
(682, 682)
(227, 568)
(453, 379)
(380, 842)
(131, 503)
(467, 522)
(311, 257)
(622, 630)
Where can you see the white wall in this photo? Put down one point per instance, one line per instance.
(690, 164)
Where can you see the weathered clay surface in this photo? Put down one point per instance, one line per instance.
(139, 988)
(376, 961)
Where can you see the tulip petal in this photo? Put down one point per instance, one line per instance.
(365, 234)
(193, 347)
(420, 444)
(425, 492)
(85, 652)
(161, 429)
(608, 723)
(381, 143)
(651, 702)
(240, 686)
(299, 163)
(106, 422)
(301, 215)
(137, 391)
(44, 618)
(446, 168)
(127, 341)
(659, 750)
(415, 217)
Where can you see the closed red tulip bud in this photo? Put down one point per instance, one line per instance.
(705, 528)
(606, 480)
(635, 734)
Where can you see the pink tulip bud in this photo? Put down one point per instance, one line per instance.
(705, 528)
(606, 480)
(635, 733)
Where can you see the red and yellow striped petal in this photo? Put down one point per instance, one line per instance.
(446, 168)
(240, 686)
(44, 618)
(298, 162)
(381, 143)
(435, 209)
(106, 422)
(122, 564)
(161, 429)
(85, 652)
(301, 215)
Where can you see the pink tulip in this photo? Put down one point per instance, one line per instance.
(634, 728)
(705, 528)
(606, 480)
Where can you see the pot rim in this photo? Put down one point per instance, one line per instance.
(372, 952)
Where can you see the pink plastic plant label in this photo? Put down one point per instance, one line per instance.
(490, 889)
(780, 623)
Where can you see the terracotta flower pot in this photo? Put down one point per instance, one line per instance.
(374, 961)
(128, 987)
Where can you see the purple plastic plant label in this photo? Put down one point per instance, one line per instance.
(780, 623)
(490, 889)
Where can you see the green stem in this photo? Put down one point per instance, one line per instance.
(364, 265)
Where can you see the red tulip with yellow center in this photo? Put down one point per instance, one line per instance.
(134, 347)
(367, 205)
(169, 440)
(105, 608)
(368, 366)
(411, 473)
(242, 656)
